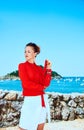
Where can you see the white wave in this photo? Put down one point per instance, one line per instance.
(1, 90)
(77, 79)
(69, 79)
(58, 81)
(82, 84)
(1, 80)
(72, 94)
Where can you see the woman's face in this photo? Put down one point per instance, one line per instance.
(30, 54)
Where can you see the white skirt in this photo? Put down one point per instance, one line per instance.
(32, 112)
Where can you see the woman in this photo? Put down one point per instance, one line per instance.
(34, 80)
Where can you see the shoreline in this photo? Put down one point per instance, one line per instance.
(53, 93)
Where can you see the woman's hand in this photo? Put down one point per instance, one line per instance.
(48, 64)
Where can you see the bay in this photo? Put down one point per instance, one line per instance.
(63, 85)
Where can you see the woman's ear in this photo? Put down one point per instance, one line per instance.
(35, 54)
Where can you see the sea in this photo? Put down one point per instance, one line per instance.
(65, 85)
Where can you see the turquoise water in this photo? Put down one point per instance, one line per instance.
(64, 85)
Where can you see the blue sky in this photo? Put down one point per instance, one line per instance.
(56, 26)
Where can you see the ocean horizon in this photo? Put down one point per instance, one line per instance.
(65, 85)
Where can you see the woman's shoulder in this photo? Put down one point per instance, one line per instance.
(22, 64)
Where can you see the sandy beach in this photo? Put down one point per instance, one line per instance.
(66, 125)
(77, 124)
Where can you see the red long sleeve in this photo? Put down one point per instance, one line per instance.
(34, 78)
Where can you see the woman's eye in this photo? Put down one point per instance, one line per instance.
(27, 52)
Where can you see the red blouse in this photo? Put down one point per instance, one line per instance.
(34, 78)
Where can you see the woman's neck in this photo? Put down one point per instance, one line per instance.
(31, 61)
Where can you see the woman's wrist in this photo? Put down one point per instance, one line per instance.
(48, 71)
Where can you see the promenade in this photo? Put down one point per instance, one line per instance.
(77, 124)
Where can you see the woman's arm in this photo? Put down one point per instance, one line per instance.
(46, 73)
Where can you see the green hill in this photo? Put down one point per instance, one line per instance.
(14, 75)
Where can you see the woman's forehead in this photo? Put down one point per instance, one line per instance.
(29, 48)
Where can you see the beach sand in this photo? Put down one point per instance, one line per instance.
(77, 124)
(66, 125)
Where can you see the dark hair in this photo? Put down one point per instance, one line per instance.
(35, 47)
